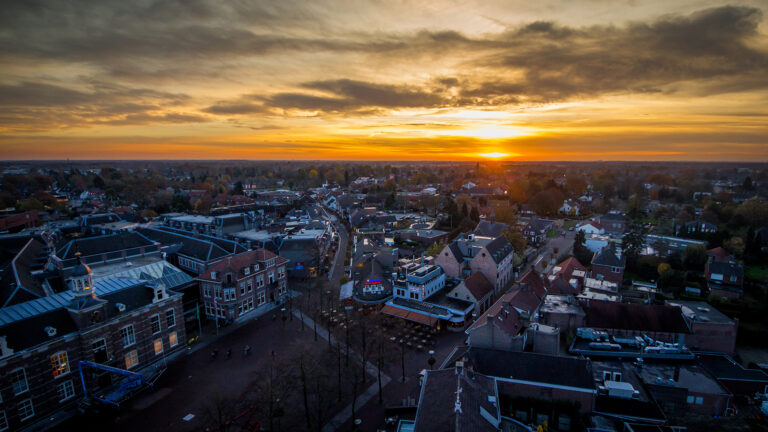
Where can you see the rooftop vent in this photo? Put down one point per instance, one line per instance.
(50, 331)
(120, 307)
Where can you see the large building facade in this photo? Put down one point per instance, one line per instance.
(120, 323)
(237, 285)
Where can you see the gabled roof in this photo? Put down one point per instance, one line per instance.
(531, 281)
(452, 401)
(608, 256)
(490, 229)
(719, 254)
(499, 248)
(193, 247)
(478, 285)
(725, 268)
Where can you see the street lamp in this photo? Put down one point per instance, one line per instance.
(431, 359)
(402, 357)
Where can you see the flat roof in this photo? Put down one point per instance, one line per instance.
(702, 311)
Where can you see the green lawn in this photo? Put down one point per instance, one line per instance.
(551, 233)
(756, 273)
(568, 224)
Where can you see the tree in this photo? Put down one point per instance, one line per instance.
(516, 239)
(663, 268)
(547, 202)
(474, 214)
(748, 184)
(580, 250)
(435, 248)
(695, 257)
(238, 190)
(633, 240)
(389, 202)
(736, 246)
(465, 210)
(148, 214)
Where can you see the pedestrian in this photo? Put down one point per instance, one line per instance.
(247, 350)
(229, 352)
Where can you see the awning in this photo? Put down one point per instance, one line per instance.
(409, 315)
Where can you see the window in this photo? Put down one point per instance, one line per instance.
(3, 421)
(173, 339)
(131, 359)
(66, 390)
(26, 410)
(271, 277)
(127, 334)
(170, 318)
(260, 281)
(59, 364)
(19, 381)
(158, 346)
(250, 285)
(242, 288)
(155, 323)
(262, 297)
(206, 290)
(99, 348)
(689, 399)
(699, 400)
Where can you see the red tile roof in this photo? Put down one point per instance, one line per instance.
(478, 285)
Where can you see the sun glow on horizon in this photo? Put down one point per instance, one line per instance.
(493, 155)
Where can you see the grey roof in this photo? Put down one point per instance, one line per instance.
(490, 229)
(608, 256)
(726, 268)
(103, 244)
(499, 249)
(50, 303)
(438, 408)
(539, 368)
(201, 248)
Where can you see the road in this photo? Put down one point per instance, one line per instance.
(552, 248)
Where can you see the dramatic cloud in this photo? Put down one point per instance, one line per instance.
(344, 71)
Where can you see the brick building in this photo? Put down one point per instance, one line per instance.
(239, 284)
(121, 323)
(608, 264)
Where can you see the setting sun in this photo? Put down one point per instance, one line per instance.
(493, 155)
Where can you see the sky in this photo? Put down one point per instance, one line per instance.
(428, 80)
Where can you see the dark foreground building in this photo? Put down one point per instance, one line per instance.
(91, 340)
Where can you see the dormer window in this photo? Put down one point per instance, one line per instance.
(246, 271)
(229, 278)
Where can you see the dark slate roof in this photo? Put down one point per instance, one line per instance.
(490, 229)
(193, 247)
(640, 317)
(103, 244)
(228, 245)
(726, 268)
(437, 403)
(499, 249)
(725, 368)
(612, 217)
(18, 284)
(456, 251)
(540, 224)
(102, 218)
(608, 256)
(539, 368)
(30, 332)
